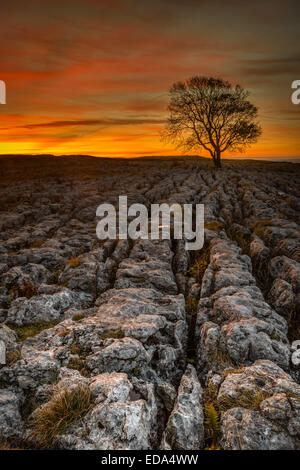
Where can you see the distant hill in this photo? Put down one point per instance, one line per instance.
(14, 168)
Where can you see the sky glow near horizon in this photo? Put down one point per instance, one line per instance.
(91, 77)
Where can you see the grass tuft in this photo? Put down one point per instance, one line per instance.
(222, 357)
(4, 445)
(262, 275)
(38, 243)
(212, 425)
(199, 266)
(213, 407)
(115, 334)
(216, 226)
(13, 357)
(79, 364)
(191, 306)
(240, 238)
(74, 261)
(26, 289)
(259, 227)
(78, 317)
(62, 411)
(27, 331)
(250, 400)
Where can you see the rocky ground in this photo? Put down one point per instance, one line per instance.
(125, 344)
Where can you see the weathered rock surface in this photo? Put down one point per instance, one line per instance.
(185, 429)
(125, 317)
(234, 323)
(11, 423)
(275, 423)
(121, 418)
(46, 308)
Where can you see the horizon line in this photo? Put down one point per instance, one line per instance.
(263, 158)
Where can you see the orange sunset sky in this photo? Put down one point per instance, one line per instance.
(91, 77)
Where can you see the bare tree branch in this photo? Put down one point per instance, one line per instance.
(211, 114)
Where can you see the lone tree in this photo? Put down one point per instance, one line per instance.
(212, 114)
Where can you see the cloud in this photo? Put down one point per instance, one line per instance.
(90, 122)
(73, 68)
(272, 66)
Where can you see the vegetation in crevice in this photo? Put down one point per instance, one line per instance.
(5, 445)
(65, 408)
(260, 270)
(211, 417)
(74, 261)
(15, 443)
(212, 426)
(79, 364)
(26, 289)
(232, 371)
(191, 306)
(249, 399)
(38, 243)
(214, 406)
(294, 325)
(242, 239)
(191, 341)
(28, 331)
(78, 361)
(114, 334)
(200, 263)
(13, 357)
(214, 225)
(221, 357)
(259, 227)
(78, 317)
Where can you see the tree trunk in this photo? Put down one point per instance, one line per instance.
(217, 159)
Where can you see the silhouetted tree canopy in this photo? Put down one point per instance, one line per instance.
(212, 114)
